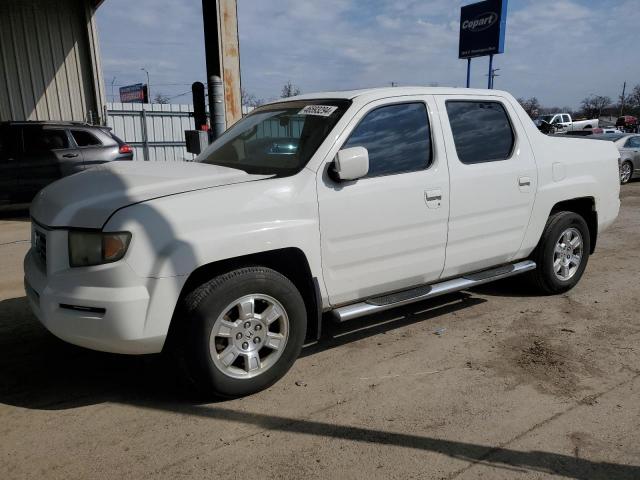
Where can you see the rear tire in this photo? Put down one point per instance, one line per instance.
(562, 253)
(245, 329)
(626, 172)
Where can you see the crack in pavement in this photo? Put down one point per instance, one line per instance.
(579, 403)
(14, 242)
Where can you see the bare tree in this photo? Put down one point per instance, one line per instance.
(289, 90)
(593, 105)
(634, 99)
(160, 98)
(249, 99)
(531, 106)
(635, 94)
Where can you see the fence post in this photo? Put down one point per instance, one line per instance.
(145, 137)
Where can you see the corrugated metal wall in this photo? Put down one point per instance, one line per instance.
(49, 65)
(156, 132)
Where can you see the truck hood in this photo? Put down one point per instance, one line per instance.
(87, 199)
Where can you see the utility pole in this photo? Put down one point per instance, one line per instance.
(624, 87)
(492, 75)
(222, 55)
(148, 84)
(113, 97)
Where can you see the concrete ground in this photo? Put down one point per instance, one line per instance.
(517, 386)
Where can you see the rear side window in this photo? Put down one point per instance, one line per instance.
(84, 138)
(633, 142)
(397, 138)
(565, 119)
(40, 140)
(481, 131)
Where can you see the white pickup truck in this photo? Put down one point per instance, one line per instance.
(337, 204)
(563, 123)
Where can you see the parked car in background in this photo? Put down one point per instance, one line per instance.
(592, 131)
(34, 154)
(608, 130)
(628, 124)
(562, 123)
(342, 203)
(629, 147)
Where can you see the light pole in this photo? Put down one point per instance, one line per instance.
(148, 84)
(113, 97)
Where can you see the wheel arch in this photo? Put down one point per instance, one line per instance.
(586, 208)
(290, 262)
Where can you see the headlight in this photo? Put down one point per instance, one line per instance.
(96, 248)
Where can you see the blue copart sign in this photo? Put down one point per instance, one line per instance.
(482, 28)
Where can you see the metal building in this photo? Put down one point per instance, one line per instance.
(50, 61)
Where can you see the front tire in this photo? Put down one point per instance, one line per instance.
(245, 329)
(562, 254)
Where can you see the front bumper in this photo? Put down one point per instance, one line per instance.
(82, 307)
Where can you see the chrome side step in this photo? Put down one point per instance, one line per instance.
(387, 302)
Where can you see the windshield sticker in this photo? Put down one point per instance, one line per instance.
(319, 110)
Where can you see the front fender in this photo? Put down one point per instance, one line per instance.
(174, 235)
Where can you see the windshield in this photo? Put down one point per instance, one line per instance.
(546, 118)
(277, 139)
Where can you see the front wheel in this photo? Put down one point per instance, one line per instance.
(562, 254)
(245, 330)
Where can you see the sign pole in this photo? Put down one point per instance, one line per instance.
(490, 81)
(468, 72)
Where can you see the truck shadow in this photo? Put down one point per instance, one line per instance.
(518, 286)
(496, 457)
(44, 373)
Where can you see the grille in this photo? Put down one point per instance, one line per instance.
(40, 246)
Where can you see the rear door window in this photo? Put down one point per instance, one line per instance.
(84, 138)
(397, 138)
(40, 140)
(481, 130)
(566, 119)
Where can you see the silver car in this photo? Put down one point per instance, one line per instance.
(629, 147)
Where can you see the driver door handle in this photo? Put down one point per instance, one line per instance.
(433, 198)
(70, 155)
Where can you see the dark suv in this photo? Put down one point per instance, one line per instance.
(34, 154)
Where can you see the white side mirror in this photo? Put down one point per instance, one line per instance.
(352, 163)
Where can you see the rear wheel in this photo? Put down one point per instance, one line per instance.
(626, 170)
(562, 254)
(245, 330)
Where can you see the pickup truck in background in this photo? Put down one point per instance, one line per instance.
(322, 206)
(562, 123)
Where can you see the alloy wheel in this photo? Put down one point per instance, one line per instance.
(625, 172)
(249, 336)
(567, 254)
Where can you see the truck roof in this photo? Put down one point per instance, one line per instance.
(386, 92)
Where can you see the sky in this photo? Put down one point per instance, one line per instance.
(559, 51)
